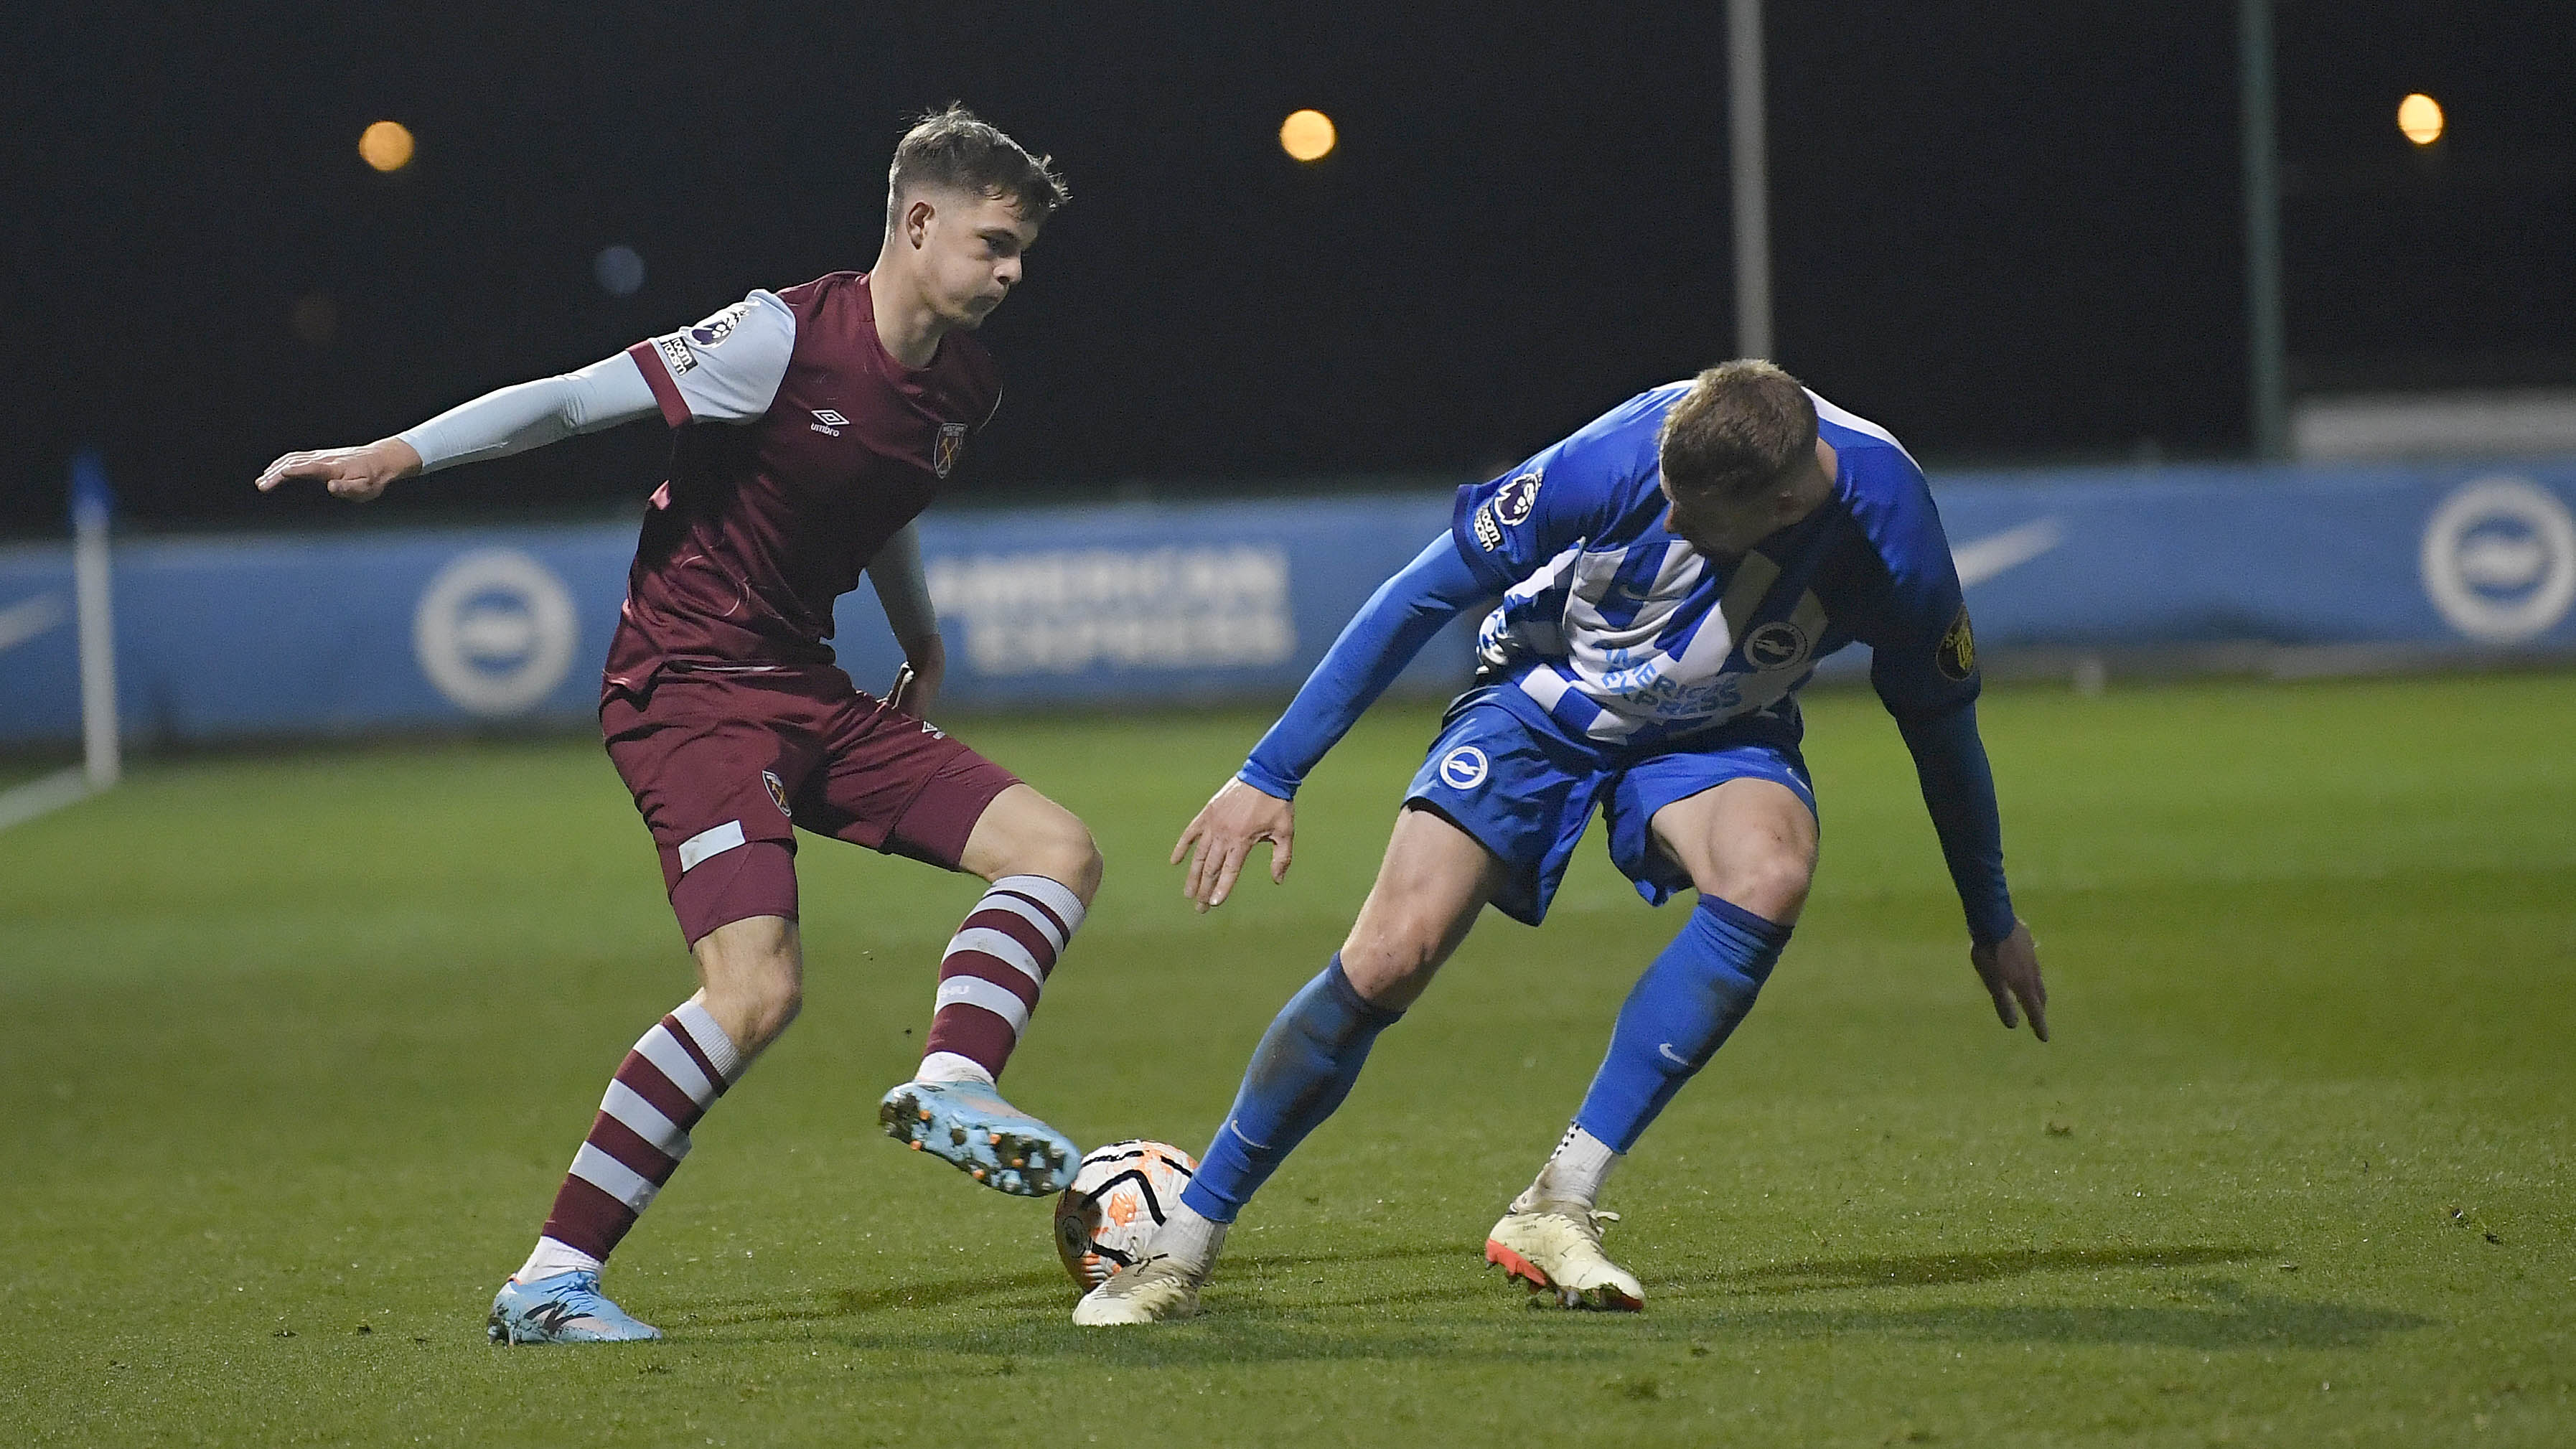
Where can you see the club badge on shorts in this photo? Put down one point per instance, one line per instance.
(1463, 768)
(777, 792)
(952, 441)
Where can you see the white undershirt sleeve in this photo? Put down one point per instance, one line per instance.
(533, 414)
(901, 588)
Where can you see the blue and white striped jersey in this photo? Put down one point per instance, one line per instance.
(1621, 632)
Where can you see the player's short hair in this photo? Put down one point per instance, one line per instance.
(954, 149)
(1743, 426)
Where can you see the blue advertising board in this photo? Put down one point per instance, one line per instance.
(1142, 605)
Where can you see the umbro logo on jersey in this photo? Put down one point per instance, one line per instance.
(828, 422)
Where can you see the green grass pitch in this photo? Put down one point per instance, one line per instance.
(296, 1049)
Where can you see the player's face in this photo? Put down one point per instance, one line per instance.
(970, 250)
(1730, 527)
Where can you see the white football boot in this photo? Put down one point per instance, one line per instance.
(1555, 1248)
(1158, 1290)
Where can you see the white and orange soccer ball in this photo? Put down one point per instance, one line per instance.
(1122, 1193)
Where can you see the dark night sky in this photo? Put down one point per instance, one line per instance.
(2006, 232)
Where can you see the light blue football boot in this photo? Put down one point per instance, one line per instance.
(991, 1141)
(566, 1308)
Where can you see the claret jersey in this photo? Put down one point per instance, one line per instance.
(800, 447)
(1621, 632)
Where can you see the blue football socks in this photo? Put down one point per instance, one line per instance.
(1680, 1012)
(1302, 1070)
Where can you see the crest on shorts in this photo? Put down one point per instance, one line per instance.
(1956, 655)
(777, 791)
(952, 441)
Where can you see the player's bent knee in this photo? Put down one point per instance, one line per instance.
(754, 976)
(1771, 884)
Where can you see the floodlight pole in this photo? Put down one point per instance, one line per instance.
(90, 586)
(2266, 340)
(1748, 164)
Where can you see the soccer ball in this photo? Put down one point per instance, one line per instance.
(1121, 1194)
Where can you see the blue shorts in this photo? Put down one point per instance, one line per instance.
(1526, 792)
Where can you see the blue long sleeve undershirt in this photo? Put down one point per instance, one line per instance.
(1959, 790)
(1401, 617)
(1408, 609)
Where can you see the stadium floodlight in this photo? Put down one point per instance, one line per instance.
(1307, 135)
(386, 146)
(2420, 117)
(95, 621)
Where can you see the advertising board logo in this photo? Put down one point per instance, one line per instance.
(2499, 560)
(1066, 611)
(1463, 768)
(494, 631)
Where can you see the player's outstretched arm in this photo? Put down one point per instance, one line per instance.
(1222, 835)
(357, 474)
(1402, 616)
(495, 425)
(2010, 969)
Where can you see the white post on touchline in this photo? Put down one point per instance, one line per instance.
(1749, 169)
(90, 587)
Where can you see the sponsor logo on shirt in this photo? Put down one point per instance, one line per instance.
(1463, 768)
(943, 454)
(713, 331)
(777, 791)
(1514, 500)
(676, 354)
(1777, 645)
(1489, 534)
(1956, 655)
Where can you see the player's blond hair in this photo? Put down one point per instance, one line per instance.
(1742, 427)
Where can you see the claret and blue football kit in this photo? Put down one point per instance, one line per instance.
(1621, 671)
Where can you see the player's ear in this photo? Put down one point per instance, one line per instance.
(916, 221)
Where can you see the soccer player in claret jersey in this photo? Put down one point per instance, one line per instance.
(1668, 578)
(811, 426)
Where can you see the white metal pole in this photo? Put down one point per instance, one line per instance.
(2265, 333)
(90, 586)
(1751, 176)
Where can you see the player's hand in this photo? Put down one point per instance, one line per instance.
(1223, 833)
(357, 474)
(2010, 969)
(917, 681)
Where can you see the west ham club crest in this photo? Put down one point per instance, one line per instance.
(952, 441)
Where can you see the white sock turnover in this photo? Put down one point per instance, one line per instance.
(1574, 1172)
(1189, 1239)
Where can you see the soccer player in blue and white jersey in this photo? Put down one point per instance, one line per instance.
(1669, 577)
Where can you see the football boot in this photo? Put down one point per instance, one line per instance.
(1554, 1248)
(1157, 1290)
(968, 1124)
(566, 1308)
